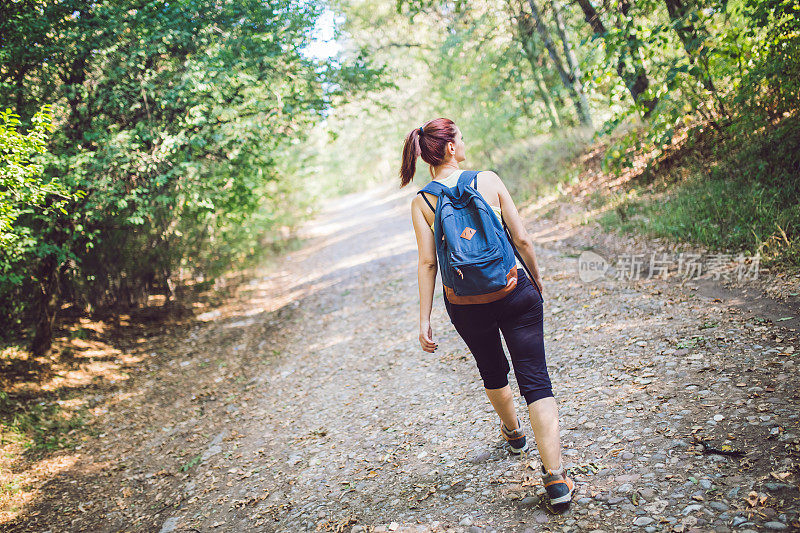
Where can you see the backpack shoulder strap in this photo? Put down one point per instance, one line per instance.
(435, 188)
(466, 177)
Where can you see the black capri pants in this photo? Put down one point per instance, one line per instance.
(519, 317)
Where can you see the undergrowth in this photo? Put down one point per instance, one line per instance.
(542, 165)
(741, 194)
(38, 427)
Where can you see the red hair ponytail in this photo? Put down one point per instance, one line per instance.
(429, 143)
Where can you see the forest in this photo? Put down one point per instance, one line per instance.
(147, 144)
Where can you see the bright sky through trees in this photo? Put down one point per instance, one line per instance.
(324, 45)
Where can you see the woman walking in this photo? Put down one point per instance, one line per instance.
(516, 311)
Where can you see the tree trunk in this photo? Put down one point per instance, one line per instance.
(525, 35)
(544, 92)
(572, 61)
(573, 86)
(635, 80)
(46, 303)
(690, 36)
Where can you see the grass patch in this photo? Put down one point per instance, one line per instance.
(742, 197)
(38, 427)
(194, 461)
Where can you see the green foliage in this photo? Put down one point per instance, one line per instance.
(21, 185)
(743, 85)
(732, 70)
(746, 202)
(770, 80)
(194, 461)
(25, 193)
(178, 120)
(22, 188)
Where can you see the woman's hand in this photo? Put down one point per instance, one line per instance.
(426, 337)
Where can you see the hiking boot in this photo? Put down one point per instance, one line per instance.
(559, 487)
(516, 439)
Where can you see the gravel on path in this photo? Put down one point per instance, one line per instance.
(307, 405)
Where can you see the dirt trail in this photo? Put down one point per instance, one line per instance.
(306, 404)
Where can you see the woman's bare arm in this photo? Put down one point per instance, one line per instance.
(426, 273)
(516, 227)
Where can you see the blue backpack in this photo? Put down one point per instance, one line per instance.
(476, 258)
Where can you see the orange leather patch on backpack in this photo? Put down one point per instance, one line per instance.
(468, 233)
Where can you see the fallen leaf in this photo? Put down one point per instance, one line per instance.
(430, 492)
(780, 475)
(752, 498)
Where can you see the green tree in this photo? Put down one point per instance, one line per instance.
(175, 118)
(630, 66)
(25, 192)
